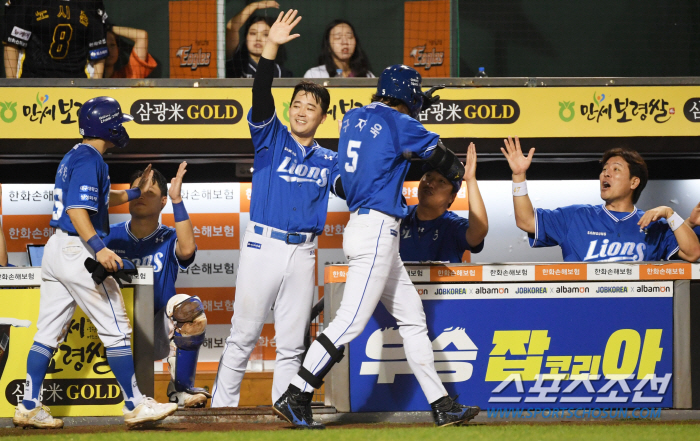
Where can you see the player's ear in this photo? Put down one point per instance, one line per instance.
(163, 202)
(323, 118)
(635, 181)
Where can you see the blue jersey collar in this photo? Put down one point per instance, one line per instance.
(628, 216)
(136, 239)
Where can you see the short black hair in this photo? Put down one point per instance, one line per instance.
(158, 179)
(636, 164)
(388, 100)
(319, 93)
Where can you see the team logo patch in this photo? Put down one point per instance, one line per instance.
(254, 245)
(394, 233)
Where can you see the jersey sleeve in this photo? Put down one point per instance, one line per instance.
(18, 24)
(96, 38)
(414, 138)
(335, 175)
(551, 226)
(183, 264)
(667, 242)
(263, 133)
(460, 226)
(84, 185)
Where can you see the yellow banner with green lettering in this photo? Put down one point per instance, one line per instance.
(205, 113)
(79, 381)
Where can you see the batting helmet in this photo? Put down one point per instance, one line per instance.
(102, 118)
(403, 83)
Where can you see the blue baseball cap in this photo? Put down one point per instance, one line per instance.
(456, 184)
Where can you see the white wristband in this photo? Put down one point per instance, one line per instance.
(520, 189)
(675, 221)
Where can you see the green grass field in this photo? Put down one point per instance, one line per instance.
(631, 431)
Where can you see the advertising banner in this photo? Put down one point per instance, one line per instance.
(207, 113)
(192, 39)
(79, 381)
(527, 345)
(427, 37)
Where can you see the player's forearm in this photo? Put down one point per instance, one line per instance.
(688, 244)
(11, 58)
(118, 197)
(263, 102)
(99, 68)
(478, 219)
(80, 219)
(524, 213)
(186, 245)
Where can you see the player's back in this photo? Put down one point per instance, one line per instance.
(371, 149)
(82, 181)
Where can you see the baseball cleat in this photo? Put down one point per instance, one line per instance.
(188, 399)
(295, 408)
(448, 412)
(148, 410)
(38, 418)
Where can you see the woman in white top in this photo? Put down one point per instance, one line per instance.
(341, 54)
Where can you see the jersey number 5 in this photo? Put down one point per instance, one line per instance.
(352, 155)
(57, 204)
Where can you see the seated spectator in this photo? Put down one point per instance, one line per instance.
(615, 231)
(243, 54)
(431, 233)
(54, 39)
(341, 54)
(139, 63)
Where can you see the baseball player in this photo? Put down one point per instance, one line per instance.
(693, 221)
(375, 142)
(180, 321)
(82, 197)
(615, 231)
(291, 180)
(431, 233)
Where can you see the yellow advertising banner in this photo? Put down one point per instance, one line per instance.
(79, 381)
(206, 113)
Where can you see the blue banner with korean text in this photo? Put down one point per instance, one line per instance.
(526, 345)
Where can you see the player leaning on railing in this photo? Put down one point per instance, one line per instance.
(615, 231)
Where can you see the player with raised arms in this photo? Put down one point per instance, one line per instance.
(180, 321)
(615, 231)
(291, 180)
(82, 197)
(375, 143)
(432, 233)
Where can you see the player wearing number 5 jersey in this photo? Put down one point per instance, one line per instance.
(82, 197)
(291, 180)
(375, 142)
(54, 39)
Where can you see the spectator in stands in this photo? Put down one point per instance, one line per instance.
(54, 39)
(243, 55)
(615, 231)
(431, 233)
(3, 244)
(139, 63)
(341, 54)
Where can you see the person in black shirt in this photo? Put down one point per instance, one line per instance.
(243, 54)
(54, 39)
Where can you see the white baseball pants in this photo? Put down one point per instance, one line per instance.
(271, 273)
(376, 273)
(65, 282)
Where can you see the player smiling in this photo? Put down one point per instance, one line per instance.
(291, 180)
(614, 231)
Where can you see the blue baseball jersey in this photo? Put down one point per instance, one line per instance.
(372, 142)
(443, 239)
(290, 181)
(82, 181)
(592, 233)
(157, 249)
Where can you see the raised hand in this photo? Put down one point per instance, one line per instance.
(516, 160)
(280, 31)
(175, 191)
(264, 5)
(470, 165)
(146, 180)
(694, 218)
(653, 215)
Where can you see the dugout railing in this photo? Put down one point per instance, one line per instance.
(631, 324)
